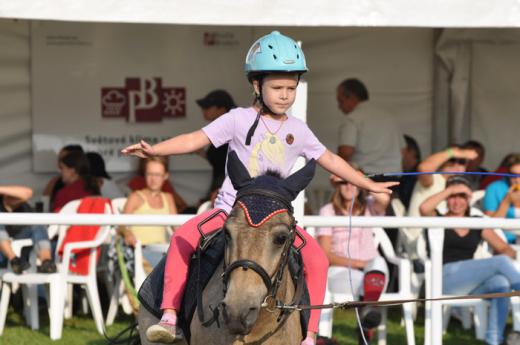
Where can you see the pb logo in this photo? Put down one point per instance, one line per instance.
(143, 100)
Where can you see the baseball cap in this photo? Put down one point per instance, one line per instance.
(219, 98)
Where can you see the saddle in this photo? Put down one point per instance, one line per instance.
(203, 265)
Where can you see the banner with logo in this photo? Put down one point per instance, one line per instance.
(106, 86)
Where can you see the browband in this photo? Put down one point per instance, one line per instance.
(267, 193)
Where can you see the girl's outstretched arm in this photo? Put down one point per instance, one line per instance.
(338, 166)
(183, 143)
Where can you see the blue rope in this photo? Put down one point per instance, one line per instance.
(416, 173)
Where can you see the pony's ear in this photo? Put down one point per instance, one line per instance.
(237, 172)
(297, 182)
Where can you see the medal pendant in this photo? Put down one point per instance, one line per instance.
(272, 139)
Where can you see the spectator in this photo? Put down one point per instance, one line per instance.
(368, 135)
(75, 174)
(139, 182)
(502, 168)
(502, 198)
(14, 199)
(475, 165)
(453, 159)
(213, 105)
(410, 161)
(150, 200)
(359, 259)
(109, 189)
(464, 275)
(56, 183)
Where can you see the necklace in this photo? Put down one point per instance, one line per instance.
(272, 138)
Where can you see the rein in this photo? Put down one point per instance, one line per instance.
(397, 302)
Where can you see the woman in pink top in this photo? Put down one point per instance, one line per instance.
(264, 137)
(356, 266)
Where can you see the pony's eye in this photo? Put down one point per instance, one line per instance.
(280, 239)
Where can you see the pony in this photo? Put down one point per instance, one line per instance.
(254, 274)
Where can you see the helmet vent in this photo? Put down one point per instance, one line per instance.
(270, 46)
(275, 56)
(297, 56)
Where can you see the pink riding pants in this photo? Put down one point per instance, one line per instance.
(184, 243)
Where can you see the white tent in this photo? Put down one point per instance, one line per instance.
(442, 85)
(331, 13)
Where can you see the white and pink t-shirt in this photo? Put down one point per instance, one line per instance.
(275, 145)
(362, 245)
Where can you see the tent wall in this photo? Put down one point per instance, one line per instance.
(396, 64)
(480, 70)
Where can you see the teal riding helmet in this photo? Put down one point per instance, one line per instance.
(275, 53)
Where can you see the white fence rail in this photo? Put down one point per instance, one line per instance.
(314, 221)
(387, 222)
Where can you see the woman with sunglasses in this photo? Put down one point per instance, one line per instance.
(461, 274)
(352, 254)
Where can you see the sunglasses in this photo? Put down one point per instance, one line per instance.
(460, 161)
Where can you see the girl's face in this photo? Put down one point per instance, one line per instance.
(347, 190)
(68, 175)
(458, 204)
(278, 91)
(155, 175)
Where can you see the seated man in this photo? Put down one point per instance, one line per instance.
(14, 199)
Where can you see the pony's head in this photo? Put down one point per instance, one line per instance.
(259, 232)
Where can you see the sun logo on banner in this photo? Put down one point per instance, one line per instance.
(143, 100)
(174, 102)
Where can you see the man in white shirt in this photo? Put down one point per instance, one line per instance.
(368, 135)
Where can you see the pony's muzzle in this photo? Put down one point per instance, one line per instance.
(239, 319)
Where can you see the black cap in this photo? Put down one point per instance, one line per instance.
(219, 98)
(458, 179)
(97, 165)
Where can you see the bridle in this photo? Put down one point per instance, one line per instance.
(272, 281)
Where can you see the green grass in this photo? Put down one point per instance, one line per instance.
(81, 330)
(76, 331)
(345, 327)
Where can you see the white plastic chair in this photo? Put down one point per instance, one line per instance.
(434, 310)
(477, 196)
(381, 240)
(58, 282)
(29, 293)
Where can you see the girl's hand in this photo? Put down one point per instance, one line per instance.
(382, 187)
(460, 189)
(514, 194)
(141, 150)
